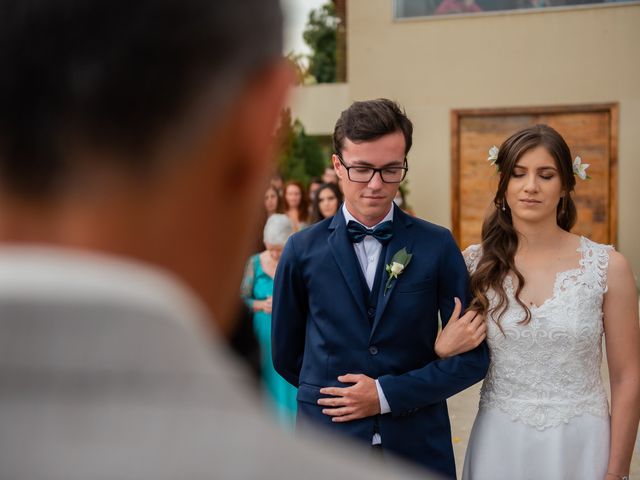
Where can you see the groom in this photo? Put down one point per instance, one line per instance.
(357, 336)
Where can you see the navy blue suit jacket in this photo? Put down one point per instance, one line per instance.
(320, 330)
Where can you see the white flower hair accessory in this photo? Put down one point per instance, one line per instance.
(580, 169)
(493, 155)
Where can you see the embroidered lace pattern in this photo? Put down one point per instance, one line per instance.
(548, 371)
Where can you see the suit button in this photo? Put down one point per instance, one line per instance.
(373, 350)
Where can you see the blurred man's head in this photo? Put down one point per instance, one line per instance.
(141, 128)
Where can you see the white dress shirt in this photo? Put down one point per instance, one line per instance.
(368, 254)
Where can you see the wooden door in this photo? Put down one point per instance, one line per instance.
(591, 132)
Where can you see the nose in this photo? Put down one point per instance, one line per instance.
(376, 181)
(531, 184)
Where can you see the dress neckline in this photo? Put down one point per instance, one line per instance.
(559, 279)
(262, 268)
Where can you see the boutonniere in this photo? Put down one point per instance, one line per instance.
(398, 263)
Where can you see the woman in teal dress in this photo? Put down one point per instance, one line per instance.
(257, 289)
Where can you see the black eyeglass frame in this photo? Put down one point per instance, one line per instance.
(405, 169)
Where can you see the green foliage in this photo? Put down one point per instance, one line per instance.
(298, 63)
(301, 156)
(320, 35)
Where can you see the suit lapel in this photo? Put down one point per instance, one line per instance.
(345, 257)
(401, 239)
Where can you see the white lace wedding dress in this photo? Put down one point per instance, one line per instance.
(543, 411)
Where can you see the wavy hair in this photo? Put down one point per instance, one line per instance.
(499, 237)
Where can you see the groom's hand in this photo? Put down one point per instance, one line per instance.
(360, 400)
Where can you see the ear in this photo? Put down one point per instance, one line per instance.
(337, 166)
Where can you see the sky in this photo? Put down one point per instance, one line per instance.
(296, 13)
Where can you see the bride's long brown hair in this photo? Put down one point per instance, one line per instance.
(499, 237)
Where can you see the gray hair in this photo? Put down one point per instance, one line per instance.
(278, 229)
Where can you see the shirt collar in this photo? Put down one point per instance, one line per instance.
(348, 216)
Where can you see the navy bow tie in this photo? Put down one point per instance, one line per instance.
(382, 232)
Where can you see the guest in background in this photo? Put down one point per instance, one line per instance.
(330, 176)
(295, 205)
(314, 186)
(273, 203)
(277, 182)
(328, 199)
(257, 289)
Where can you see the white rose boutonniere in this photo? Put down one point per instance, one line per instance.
(398, 263)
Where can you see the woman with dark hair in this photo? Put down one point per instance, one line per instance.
(295, 204)
(549, 296)
(273, 203)
(326, 202)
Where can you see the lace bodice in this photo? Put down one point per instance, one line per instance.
(548, 371)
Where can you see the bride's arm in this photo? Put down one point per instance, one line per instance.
(461, 334)
(622, 336)
(465, 333)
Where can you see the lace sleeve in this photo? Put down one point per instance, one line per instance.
(607, 250)
(595, 262)
(472, 256)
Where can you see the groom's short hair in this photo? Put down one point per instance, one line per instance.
(115, 75)
(370, 120)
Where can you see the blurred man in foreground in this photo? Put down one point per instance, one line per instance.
(134, 152)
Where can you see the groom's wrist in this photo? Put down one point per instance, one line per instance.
(384, 404)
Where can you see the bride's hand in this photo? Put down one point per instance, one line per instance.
(461, 333)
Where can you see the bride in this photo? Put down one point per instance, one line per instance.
(548, 296)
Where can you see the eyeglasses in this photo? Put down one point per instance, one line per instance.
(365, 174)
